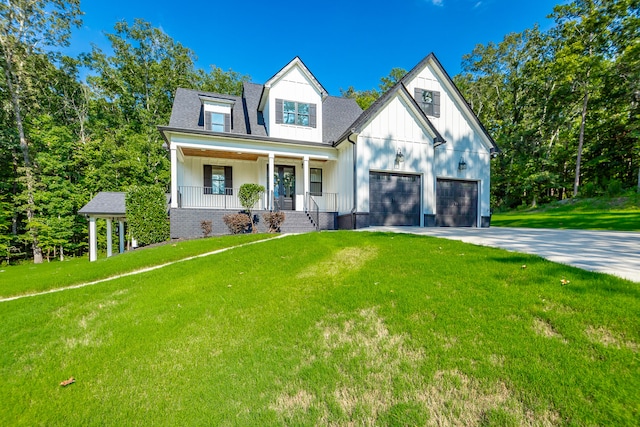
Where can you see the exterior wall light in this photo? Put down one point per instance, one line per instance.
(399, 156)
(462, 165)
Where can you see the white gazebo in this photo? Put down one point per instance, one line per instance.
(111, 207)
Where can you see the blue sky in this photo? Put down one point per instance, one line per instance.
(344, 43)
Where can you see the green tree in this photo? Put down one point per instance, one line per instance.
(26, 28)
(147, 218)
(249, 195)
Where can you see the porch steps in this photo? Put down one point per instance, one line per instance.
(297, 222)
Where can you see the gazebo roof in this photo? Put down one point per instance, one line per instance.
(105, 204)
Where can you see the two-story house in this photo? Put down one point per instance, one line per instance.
(418, 156)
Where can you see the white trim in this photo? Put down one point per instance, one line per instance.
(93, 241)
(264, 152)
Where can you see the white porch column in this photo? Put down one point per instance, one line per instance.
(109, 238)
(121, 235)
(174, 176)
(270, 180)
(93, 241)
(305, 169)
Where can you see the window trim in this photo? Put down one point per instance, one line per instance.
(283, 114)
(311, 182)
(207, 172)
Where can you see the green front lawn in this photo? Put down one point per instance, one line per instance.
(29, 277)
(621, 214)
(329, 329)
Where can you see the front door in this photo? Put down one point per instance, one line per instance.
(284, 187)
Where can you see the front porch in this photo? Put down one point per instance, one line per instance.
(187, 223)
(194, 197)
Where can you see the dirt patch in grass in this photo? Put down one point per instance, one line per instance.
(608, 338)
(455, 399)
(346, 259)
(545, 328)
(377, 377)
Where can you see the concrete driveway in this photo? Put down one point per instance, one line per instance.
(612, 252)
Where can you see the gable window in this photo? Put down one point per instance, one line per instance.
(315, 181)
(218, 122)
(218, 180)
(429, 101)
(295, 113)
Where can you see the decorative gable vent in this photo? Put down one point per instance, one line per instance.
(429, 101)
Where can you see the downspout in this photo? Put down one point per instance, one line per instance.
(355, 181)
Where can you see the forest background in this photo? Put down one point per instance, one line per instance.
(562, 104)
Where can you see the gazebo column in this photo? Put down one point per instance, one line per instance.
(121, 235)
(93, 241)
(109, 238)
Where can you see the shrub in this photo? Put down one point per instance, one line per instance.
(249, 195)
(237, 223)
(147, 217)
(589, 189)
(614, 188)
(273, 220)
(206, 228)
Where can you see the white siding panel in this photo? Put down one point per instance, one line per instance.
(395, 128)
(344, 178)
(294, 86)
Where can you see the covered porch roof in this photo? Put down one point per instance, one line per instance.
(106, 205)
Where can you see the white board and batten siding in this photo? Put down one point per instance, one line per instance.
(294, 86)
(394, 128)
(465, 139)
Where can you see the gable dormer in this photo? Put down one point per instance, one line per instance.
(217, 113)
(291, 103)
(441, 101)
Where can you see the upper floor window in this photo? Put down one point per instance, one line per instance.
(217, 122)
(429, 101)
(295, 113)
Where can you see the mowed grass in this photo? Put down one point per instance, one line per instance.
(619, 214)
(30, 278)
(337, 328)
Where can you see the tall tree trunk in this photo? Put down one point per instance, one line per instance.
(583, 120)
(24, 146)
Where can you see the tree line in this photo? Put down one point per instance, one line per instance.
(562, 104)
(72, 127)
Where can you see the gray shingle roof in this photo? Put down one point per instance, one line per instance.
(337, 115)
(110, 203)
(105, 203)
(187, 112)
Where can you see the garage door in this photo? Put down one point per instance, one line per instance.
(394, 199)
(456, 203)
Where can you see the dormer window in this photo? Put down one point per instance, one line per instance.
(295, 113)
(217, 113)
(429, 101)
(217, 122)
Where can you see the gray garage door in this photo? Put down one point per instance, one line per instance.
(456, 203)
(394, 199)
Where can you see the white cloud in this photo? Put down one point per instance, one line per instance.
(437, 2)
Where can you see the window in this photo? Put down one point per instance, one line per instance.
(315, 181)
(295, 113)
(218, 180)
(429, 101)
(218, 122)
